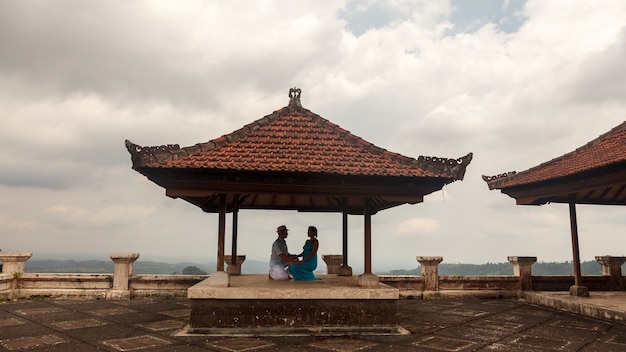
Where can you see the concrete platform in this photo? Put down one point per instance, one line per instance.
(261, 287)
(254, 304)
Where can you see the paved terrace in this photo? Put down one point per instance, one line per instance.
(435, 313)
(456, 324)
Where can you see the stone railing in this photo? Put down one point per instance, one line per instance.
(123, 284)
(431, 285)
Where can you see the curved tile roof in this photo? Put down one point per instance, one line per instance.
(295, 140)
(294, 159)
(606, 150)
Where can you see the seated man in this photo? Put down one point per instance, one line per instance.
(280, 258)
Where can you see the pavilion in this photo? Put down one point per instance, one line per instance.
(293, 159)
(592, 174)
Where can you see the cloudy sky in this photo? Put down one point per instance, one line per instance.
(515, 82)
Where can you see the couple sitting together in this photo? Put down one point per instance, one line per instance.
(282, 263)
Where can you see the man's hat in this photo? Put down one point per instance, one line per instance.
(281, 228)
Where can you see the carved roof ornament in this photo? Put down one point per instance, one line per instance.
(498, 176)
(294, 97)
(443, 161)
(453, 167)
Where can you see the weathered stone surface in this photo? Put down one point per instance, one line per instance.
(149, 325)
(290, 313)
(218, 279)
(368, 280)
(14, 262)
(430, 271)
(612, 267)
(234, 269)
(522, 269)
(261, 287)
(344, 270)
(333, 261)
(136, 343)
(32, 342)
(579, 291)
(122, 270)
(254, 301)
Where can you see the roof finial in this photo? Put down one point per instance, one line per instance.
(294, 96)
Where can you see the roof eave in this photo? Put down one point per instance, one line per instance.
(605, 185)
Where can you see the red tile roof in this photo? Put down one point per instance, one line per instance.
(606, 150)
(294, 139)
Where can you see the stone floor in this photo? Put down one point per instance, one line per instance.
(457, 324)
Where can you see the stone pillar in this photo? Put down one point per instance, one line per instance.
(368, 280)
(234, 269)
(333, 261)
(123, 269)
(612, 266)
(522, 269)
(430, 272)
(218, 279)
(14, 262)
(344, 270)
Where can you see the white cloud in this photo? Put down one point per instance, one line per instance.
(13, 227)
(417, 226)
(110, 217)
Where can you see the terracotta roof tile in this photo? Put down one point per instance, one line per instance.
(607, 149)
(294, 139)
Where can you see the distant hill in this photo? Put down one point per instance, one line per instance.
(139, 267)
(538, 269)
(258, 267)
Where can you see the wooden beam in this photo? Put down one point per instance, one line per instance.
(221, 233)
(575, 249)
(368, 237)
(344, 232)
(618, 193)
(234, 234)
(398, 191)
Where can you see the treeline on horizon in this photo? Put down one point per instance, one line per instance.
(538, 269)
(106, 267)
(257, 267)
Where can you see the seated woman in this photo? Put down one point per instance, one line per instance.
(303, 270)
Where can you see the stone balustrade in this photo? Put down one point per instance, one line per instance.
(122, 284)
(430, 283)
